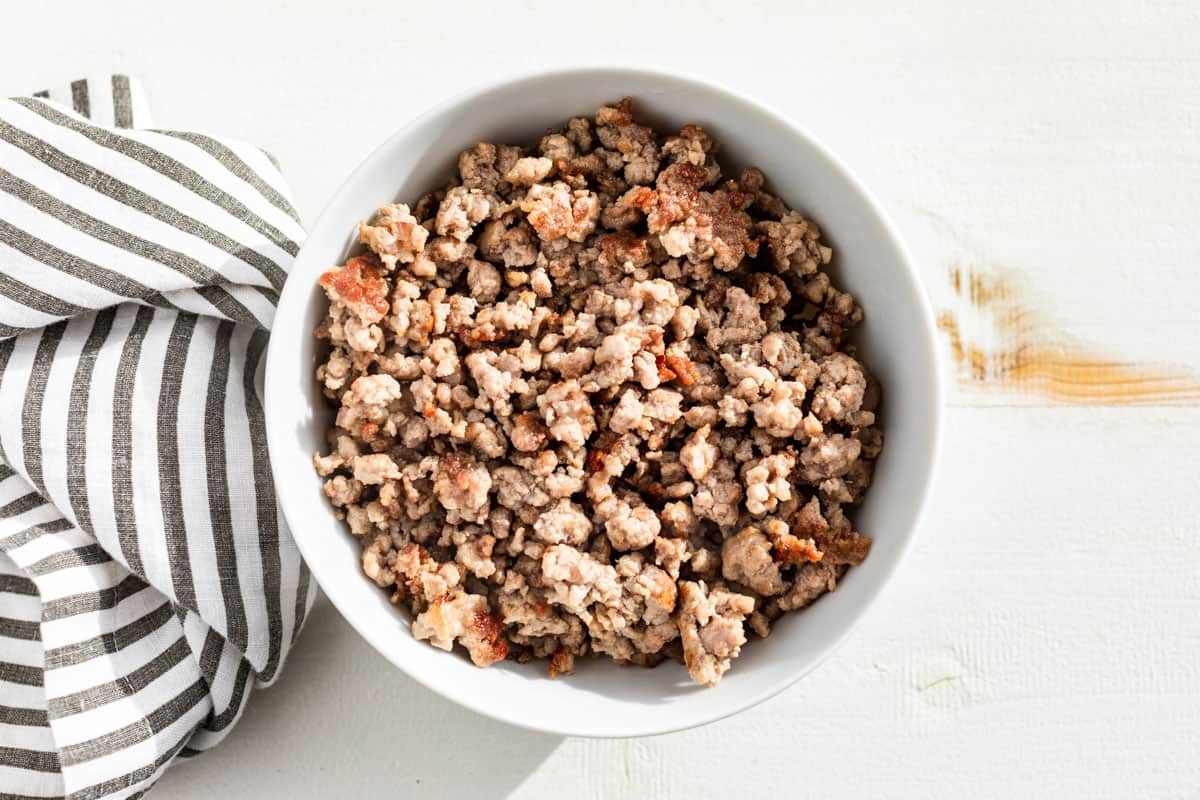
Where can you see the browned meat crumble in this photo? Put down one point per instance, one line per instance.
(594, 398)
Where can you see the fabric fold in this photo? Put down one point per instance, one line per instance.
(147, 579)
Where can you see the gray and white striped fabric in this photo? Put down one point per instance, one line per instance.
(147, 579)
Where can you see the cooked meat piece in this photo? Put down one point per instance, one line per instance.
(465, 619)
(394, 235)
(746, 558)
(710, 625)
(528, 171)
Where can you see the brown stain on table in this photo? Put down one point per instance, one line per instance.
(1027, 352)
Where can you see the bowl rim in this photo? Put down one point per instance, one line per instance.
(291, 305)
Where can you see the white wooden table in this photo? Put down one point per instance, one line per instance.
(1044, 638)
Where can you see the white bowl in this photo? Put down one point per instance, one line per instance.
(897, 342)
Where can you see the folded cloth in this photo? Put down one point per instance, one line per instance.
(147, 579)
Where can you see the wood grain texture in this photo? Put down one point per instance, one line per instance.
(1004, 340)
(1044, 638)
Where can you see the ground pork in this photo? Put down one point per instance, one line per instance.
(593, 398)
(577, 581)
(528, 171)
(395, 235)
(746, 558)
(810, 582)
(461, 210)
(510, 245)
(768, 482)
(564, 523)
(698, 454)
(465, 619)
(555, 211)
(357, 287)
(462, 484)
(840, 388)
(567, 412)
(710, 625)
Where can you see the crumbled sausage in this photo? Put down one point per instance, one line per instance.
(844, 547)
(698, 454)
(460, 211)
(718, 495)
(632, 530)
(780, 413)
(840, 388)
(464, 618)
(555, 211)
(593, 398)
(510, 245)
(358, 287)
(529, 170)
(710, 625)
(567, 412)
(393, 234)
(343, 491)
(811, 581)
(788, 548)
(768, 483)
(462, 484)
(828, 456)
(367, 403)
(746, 558)
(375, 469)
(795, 244)
(563, 523)
(617, 131)
(577, 581)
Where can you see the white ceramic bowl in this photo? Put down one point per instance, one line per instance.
(897, 342)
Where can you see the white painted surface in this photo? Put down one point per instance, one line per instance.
(1044, 639)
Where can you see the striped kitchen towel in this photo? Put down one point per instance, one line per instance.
(147, 579)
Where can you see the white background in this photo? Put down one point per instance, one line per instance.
(1044, 638)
